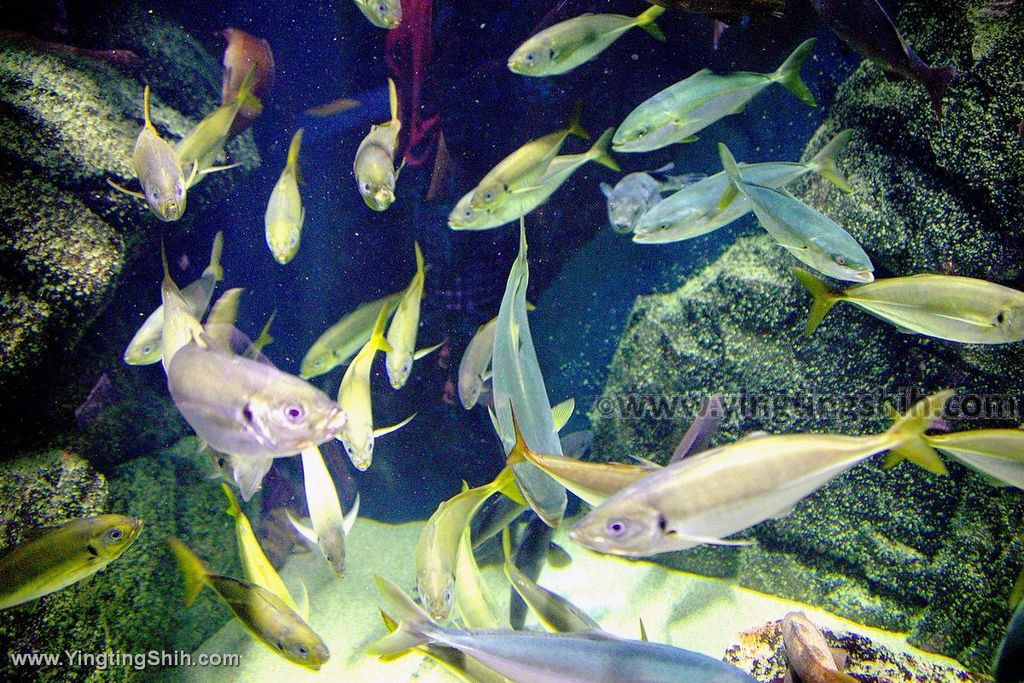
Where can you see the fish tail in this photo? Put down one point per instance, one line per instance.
(646, 21)
(599, 152)
(936, 79)
(906, 435)
(393, 100)
(377, 339)
(145, 107)
(414, 625)
(214, 268)
(824, 162)
(192, 568)
(234, 509)
(824, 298)
(421, 267)
(264, 339)
(294, 147)
(520, 451)
(245, 96)
(789, 73)
(732, 171)
(575, 126)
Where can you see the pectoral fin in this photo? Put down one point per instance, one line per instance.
(130, 193)
(423, 352)
(216, 169)
(381, 431)
(349, 520)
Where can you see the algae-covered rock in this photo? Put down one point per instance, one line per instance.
(68, 123)
(135, 605)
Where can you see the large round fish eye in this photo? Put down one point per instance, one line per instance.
(616, 527)
(840, 260)
(114, 535)
(294, 413)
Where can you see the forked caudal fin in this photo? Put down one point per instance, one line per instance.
(646, 22)
(214, 268)
(935, 80)
(575, 126)
(907, 433)
(732, 171)
(824, 162)
(824, 298)
(788, 75)
(599, 152)
(414, 625)
(192, 568)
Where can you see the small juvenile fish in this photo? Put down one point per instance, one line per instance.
(263, 615)
(691, 105)
(144, 347)
(285, 213)
(865, 26)
(354, 398)
(330, 526)
(255, 565)
(523, 167)
(638, 193)
(809, 235)
(554, 657)
(476, 359)
(959, 309)
(374, 165)
(159, 172)
(518, 203)
(54, 558)
(381, 13)
(694, 210)
(245, 53)
(343, 339)
(725, 490)
(564, 46)
(404, 328)
(808, 652)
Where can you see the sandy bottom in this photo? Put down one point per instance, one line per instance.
(680, 609)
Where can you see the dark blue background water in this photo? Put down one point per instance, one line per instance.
(584, 277)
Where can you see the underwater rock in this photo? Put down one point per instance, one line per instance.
(136, 604)
(69, 123)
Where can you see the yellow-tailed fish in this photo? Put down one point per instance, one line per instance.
(180, 327)
(285, 213)
(160, 174)
(255, 565)
(325, 513)
(354, 398)
(374, 165)
(516, 204)
(381, 13)
(526, 165)
(255, 349)
(438, 546)
(553, 657)
(200, 148)
(144, 347)
(343, 339)
(959, 309)
(54, 558)
(809, 654)
(564, 46)
(404, 328)
(725, 490)
(554, 612)
(263, 615)
(678, 112)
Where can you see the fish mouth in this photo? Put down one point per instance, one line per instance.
(170, 211)
(864, 276)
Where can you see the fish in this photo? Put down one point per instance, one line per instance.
(950, 307)
(702, 429)
(553, 657)
(809, 654)
(636, 193)
(865, 26)
(257, 568)
(201, 147)
(354, 398)
(374, 164)
(680, 111)
(473, 368)
(809, 235)
(53, 558)
(523, 167)
(247, 408)
(144, 347)
(342, 340)
(381, 13)
(285, 212)
(518, 203)
(338, 106)
(1009, 664)
(330, 524)
(518, 387)
(179, 327)
(555, 613)
(568, 44)
(262, 614)
(164, 186)
(473, 597)
(244, 53)
(705, 498)
(437, 548)
(996, 453)
(404, 327)
(694, 209)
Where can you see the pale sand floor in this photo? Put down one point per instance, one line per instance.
(681, 609)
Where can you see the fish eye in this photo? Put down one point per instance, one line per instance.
(147, 349)
(840, 260)
(616, 528)
(406, 367)
(115, 535)
(468, 213)
(369, 445)
(303, 651)
(640, 132)
(366, 186)
(489, 196)
(447, 597)
(1001, 317)
(280, 645)
(530, 58)
(294, 413)
(551, 53)
(350, 450)
(383, 9)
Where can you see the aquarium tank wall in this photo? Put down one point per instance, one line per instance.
(551, 340)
